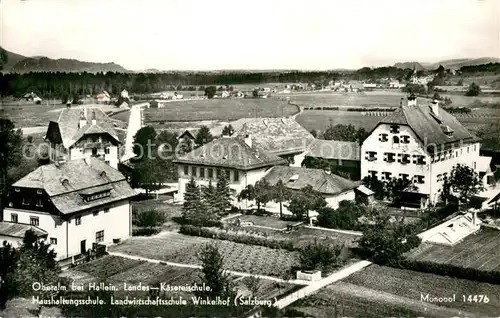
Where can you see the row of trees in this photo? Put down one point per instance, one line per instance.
(342, 132)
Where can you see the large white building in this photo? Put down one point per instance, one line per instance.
(421, 143)
(83, 133)
(71, 205)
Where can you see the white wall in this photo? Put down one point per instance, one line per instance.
(334, 200)
(112, 157)
(116, 223)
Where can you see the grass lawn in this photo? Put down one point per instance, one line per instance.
(412, 284)
(476, 251)
(222, 109)
(460, 100)
(268, 221)
(121, 116)
(178, 248)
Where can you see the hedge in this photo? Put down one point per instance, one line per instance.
(243, 238)
(145, 231)
(492, 277)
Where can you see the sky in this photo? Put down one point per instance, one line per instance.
(256, 34)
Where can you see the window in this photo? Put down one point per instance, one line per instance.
(468, 149)
(373, 174)
(202, 172)
(78, 220)
(106, 150)
(186, 170)
(389, 157)
(193, 171)
(53, 241)
(17, 189)
(386, 175)
(439, 178)
(474, 165)
(39, 192)
(404, 176)
(394, 129)
(456, 154)
(106, 210)
(34, 221)
(404, 158)
(382, 137)
(395, 139)
(106, 161)
(490, 180)
(210, 173)
(99, 236)
(95, 213)
(26, 201)
(418, 179)
(39, 203)
(405, 139)
(236, 175)
(13, 218)
(371, 155)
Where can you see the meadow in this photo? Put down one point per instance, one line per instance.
(386, 98)
(219, 109)
(478, 251)
(321, 119)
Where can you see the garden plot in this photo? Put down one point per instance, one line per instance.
(366, 99)
(107, 266)
(412, 285)
(478, 251)
(178, 248)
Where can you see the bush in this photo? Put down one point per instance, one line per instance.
(197, 223)
(318, 256)
(145, 231)
(237, 237)
(150, 218)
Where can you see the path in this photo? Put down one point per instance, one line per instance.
(314, 286)
(279, 280)
(134, 124)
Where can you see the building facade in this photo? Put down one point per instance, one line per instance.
(73, 205)
(83, 133)
(421, 143)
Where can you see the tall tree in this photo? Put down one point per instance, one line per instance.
(305, 201)
(465, 183)
(280, 194)
(147, 175)
(474, 90)
(224, 192)
(260, 193)
(209, 197)
(144, 140)
(192, 199)
(203, 136)
(214, 275)
(228, 130)
(11, 141)
(210, 91)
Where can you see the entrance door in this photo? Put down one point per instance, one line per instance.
(83, 247)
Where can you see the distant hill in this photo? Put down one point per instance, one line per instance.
(458, 63)
(22, 64)
(410, 65)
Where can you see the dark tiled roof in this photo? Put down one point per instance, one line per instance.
(320, 180)
(68, 124)
(276, 135)
(430, 129)
(18, 229)
(333, 149)
(80, 176)
(230, 153)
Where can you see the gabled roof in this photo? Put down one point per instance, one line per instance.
(334, 149)
(82, 176)
(430, 128)
(19, 229)
(230, 152)
(297, 178)
(276, 135)
(68, 125)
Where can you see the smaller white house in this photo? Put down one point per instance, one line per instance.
(103, 98)
(333, 188)
(124, 94)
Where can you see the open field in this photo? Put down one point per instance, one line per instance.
(321, 119)
(460, 100)
(365, 99)
(412, 285)
(476, 251)
(178, 248)
(221, 109)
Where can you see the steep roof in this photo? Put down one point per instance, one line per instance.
(428, 127)
(82, 177)
(334, 149)
(297, 178)
(230, 152)
(68, 124)
(18, 229)
(276, 135)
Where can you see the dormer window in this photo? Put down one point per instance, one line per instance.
(39, 191)
(447, 130)
(293, 178)
(17, 190)
(394, 129)
(382, 137)
(103, 174)
(95, 194)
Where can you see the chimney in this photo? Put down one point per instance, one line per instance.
(435, 107)
(83, 120)
(412, 100)
(248, 140)
(93, 118)
(401, 102)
